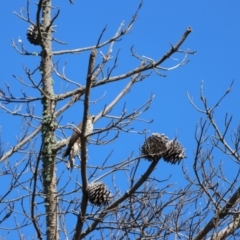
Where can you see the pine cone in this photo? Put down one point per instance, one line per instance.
(32, 34)
(98, 194)
(174, 153)
(155, 146)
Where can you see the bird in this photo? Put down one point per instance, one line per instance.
(74, 145)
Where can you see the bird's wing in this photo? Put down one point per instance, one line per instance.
(76, 134)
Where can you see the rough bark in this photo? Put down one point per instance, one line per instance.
(48, 124)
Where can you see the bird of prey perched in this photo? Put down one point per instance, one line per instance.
(74, 145)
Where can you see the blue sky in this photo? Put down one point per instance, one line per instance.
(215, 37)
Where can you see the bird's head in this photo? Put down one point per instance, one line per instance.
(91, 117)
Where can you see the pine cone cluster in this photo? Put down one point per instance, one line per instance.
(158, 146)
(33, 35)
(98, 194)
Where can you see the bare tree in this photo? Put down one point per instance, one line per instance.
(221, 194)
(56, 206)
